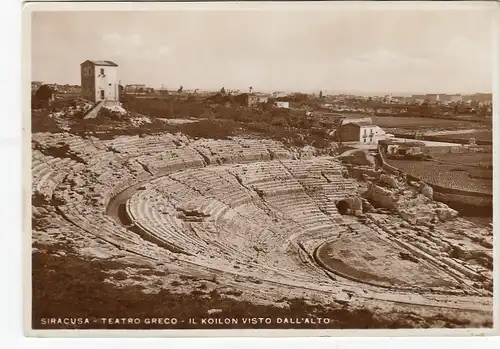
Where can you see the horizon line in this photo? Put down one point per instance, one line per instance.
(288, 91)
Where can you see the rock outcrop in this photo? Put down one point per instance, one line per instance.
(389, 181)
(426, 190)
(367, 206)
(413, 205)
(355, 203)
(380, 196)
(445, 214)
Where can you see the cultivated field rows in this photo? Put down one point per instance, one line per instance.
(446, 175)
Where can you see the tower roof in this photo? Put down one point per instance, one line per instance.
(102, 63)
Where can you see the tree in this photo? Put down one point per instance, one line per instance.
(44, 93)
(250, 89)
(320, 94)
(180, 89)
(223, 90)
(300, 97)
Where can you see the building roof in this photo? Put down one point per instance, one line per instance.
(364, 123)
(105, 63)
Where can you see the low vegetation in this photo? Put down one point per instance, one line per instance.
(41, 121)
(214, 121)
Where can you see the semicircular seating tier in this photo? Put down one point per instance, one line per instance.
(245, 207)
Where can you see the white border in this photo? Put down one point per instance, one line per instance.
(68, 5)
(10, 182)
(496, 160)
(95, 6)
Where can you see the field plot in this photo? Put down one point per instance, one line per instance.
(475, 159)
(416, 122)
(485, 135)
(446, 175)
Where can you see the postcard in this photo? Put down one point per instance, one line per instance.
(259, 169)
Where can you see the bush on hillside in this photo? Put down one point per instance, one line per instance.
(41, 121)
(44, 93)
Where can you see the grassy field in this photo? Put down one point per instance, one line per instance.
(416, 122)
(486, 135)
(479, 159)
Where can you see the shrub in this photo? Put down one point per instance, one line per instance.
(120, 275)
(105, 113)
(44, 93)
(207, 129)
(79, 114)
(42, 122)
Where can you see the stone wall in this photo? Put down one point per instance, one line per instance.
(440, 150)
(448, 195)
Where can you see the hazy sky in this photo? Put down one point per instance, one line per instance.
(334, 50)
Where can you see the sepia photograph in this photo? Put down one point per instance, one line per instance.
(247, 166)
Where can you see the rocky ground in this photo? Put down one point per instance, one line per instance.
(67, 283)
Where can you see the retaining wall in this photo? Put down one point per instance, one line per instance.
(446, 139)
(449, 196)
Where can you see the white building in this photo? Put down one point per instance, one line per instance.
(99, 81)
(282, 104)
(361, 132)
(279, 94)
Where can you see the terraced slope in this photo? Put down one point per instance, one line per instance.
(250, 212)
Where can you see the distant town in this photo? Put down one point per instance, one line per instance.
(479, 104)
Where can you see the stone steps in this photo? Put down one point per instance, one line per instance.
(92, 113)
